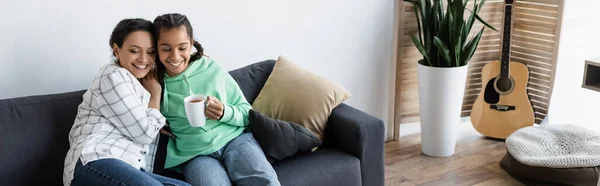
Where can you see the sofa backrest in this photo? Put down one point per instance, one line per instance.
(34, 137)
(34, 130)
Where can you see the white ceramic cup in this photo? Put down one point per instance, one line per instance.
(195, 110)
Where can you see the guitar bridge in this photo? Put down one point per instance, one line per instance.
(502, 107)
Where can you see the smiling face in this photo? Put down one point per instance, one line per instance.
(174, 49)
(137, 54)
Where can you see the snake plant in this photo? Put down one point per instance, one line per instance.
(442, 35)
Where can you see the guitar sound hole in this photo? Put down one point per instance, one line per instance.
(504, 84)
(490, 95)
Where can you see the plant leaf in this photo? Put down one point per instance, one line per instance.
(443, 49)
(470, 48)
(452, 26)
(440, 9)
(420, 48)
(436, 17)
(485, 23)
(441, 28)
(469, 25)
(425, 23)
(459, 10)
(416, 8)
(444, 33)
(458, 48)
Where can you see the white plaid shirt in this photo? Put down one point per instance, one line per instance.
(114, 121)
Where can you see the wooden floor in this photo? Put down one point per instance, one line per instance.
(475, 162)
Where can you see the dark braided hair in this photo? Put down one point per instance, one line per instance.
(175, 20)
(126, 27)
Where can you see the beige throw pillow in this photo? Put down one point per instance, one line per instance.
(294, 94)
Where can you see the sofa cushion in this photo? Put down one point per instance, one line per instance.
(323, 167)
(535, 175)
(252, 78)
(280, 139)
(295, 94)
(34, 140)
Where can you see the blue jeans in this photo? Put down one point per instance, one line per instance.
(117, 172)
(240, 161)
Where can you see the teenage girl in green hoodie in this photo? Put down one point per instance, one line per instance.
(221, 152)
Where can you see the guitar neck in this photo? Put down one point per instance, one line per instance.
(505, 58)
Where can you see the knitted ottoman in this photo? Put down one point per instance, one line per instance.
(553, 155)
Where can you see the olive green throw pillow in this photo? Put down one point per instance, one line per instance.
(294, 94)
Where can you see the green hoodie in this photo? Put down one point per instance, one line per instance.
(206, 77)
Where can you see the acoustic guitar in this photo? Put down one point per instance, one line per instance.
(503, 105)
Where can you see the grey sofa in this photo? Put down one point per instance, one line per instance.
(34, 130)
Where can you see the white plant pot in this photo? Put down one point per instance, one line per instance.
(441, 93)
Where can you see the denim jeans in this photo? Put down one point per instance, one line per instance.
(240, 162)
(117, 172)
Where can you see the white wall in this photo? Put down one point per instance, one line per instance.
(570, 103)
(57, 46)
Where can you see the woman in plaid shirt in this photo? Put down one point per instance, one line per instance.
(119, 116)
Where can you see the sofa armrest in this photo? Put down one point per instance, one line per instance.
(362, 135)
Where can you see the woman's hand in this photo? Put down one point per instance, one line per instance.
(150, 83)
(214, 108)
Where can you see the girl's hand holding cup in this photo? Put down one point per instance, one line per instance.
(214, 108)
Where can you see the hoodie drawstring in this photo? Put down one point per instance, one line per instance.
(188, 84)
(165, 98)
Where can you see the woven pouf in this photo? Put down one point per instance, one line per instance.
(553, 155)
